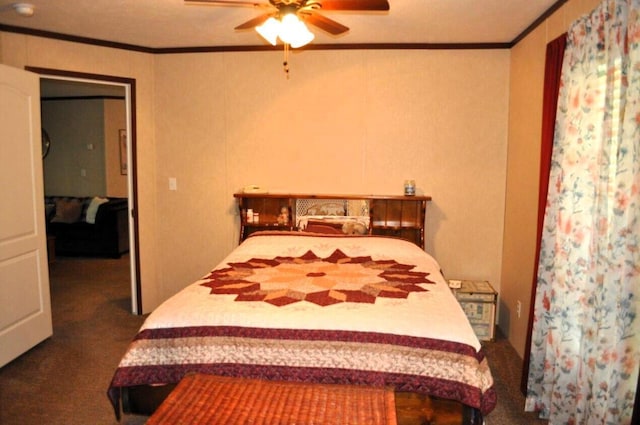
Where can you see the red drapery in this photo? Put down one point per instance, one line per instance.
(552, 73)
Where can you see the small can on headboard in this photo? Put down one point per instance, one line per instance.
(409, 187)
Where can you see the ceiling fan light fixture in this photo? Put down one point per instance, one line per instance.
(302, 39)
(294, 32)
(270, 30)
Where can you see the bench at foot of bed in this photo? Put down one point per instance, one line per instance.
(410, 408)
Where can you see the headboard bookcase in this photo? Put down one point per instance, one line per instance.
(399, 216)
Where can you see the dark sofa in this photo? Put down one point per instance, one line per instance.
(108, 236)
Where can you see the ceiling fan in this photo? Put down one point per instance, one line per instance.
(281, 13)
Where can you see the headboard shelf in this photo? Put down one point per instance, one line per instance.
(390, 215)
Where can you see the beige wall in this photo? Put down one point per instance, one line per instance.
(84, 159)
(346, 121)
(525, 118)
(75, 165)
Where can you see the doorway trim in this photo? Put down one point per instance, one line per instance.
(130, 103)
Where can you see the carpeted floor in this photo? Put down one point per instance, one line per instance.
(64, 379)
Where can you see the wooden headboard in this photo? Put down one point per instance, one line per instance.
(399, 216)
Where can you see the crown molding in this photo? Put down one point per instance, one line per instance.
(263, 48)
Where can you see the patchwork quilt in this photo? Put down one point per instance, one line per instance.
(333, 309)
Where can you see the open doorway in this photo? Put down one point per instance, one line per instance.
(100, 163)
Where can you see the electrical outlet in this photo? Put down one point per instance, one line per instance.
(519, 308)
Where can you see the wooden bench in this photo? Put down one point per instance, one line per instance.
(204, 399)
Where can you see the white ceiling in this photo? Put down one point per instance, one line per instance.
(172, 24)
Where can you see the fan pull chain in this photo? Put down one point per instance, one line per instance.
(286, 60)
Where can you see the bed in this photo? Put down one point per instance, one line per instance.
(305, 307)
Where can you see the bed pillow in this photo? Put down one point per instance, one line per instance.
(322, 228)
(92, 210)
(353, 228)
(331, 223)
(67, 211)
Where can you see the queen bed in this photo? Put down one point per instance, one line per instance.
(304, 307)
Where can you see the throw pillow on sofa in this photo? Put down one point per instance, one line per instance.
(92, 210)
(67, 211)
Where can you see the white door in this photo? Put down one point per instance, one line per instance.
(25, 305)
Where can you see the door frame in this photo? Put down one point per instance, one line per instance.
(129, 85)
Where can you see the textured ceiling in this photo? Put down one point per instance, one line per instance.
(156, 24)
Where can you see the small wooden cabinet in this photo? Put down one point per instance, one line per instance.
(478, 300)
(400, 216)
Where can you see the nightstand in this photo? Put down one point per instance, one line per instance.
(478, 300)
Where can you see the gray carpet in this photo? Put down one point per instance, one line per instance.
(506, 368)
(64, 379)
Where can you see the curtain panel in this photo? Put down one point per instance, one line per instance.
(552, 75)
(585, 344)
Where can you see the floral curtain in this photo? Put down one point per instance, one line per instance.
(585, 346)
(552, 78)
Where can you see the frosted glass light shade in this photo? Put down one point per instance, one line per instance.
(294, 32)
(290, 29)
(270, 30)
(303, 37)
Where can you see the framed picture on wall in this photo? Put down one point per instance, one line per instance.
(122, 141)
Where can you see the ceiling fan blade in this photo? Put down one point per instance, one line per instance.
(252, 23)
(322, 22)
(240, 3)
(354, 4)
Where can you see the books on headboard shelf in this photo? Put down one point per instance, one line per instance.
(399, 216)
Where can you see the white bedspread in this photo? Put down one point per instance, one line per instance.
(359, 310)
(432, 314)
